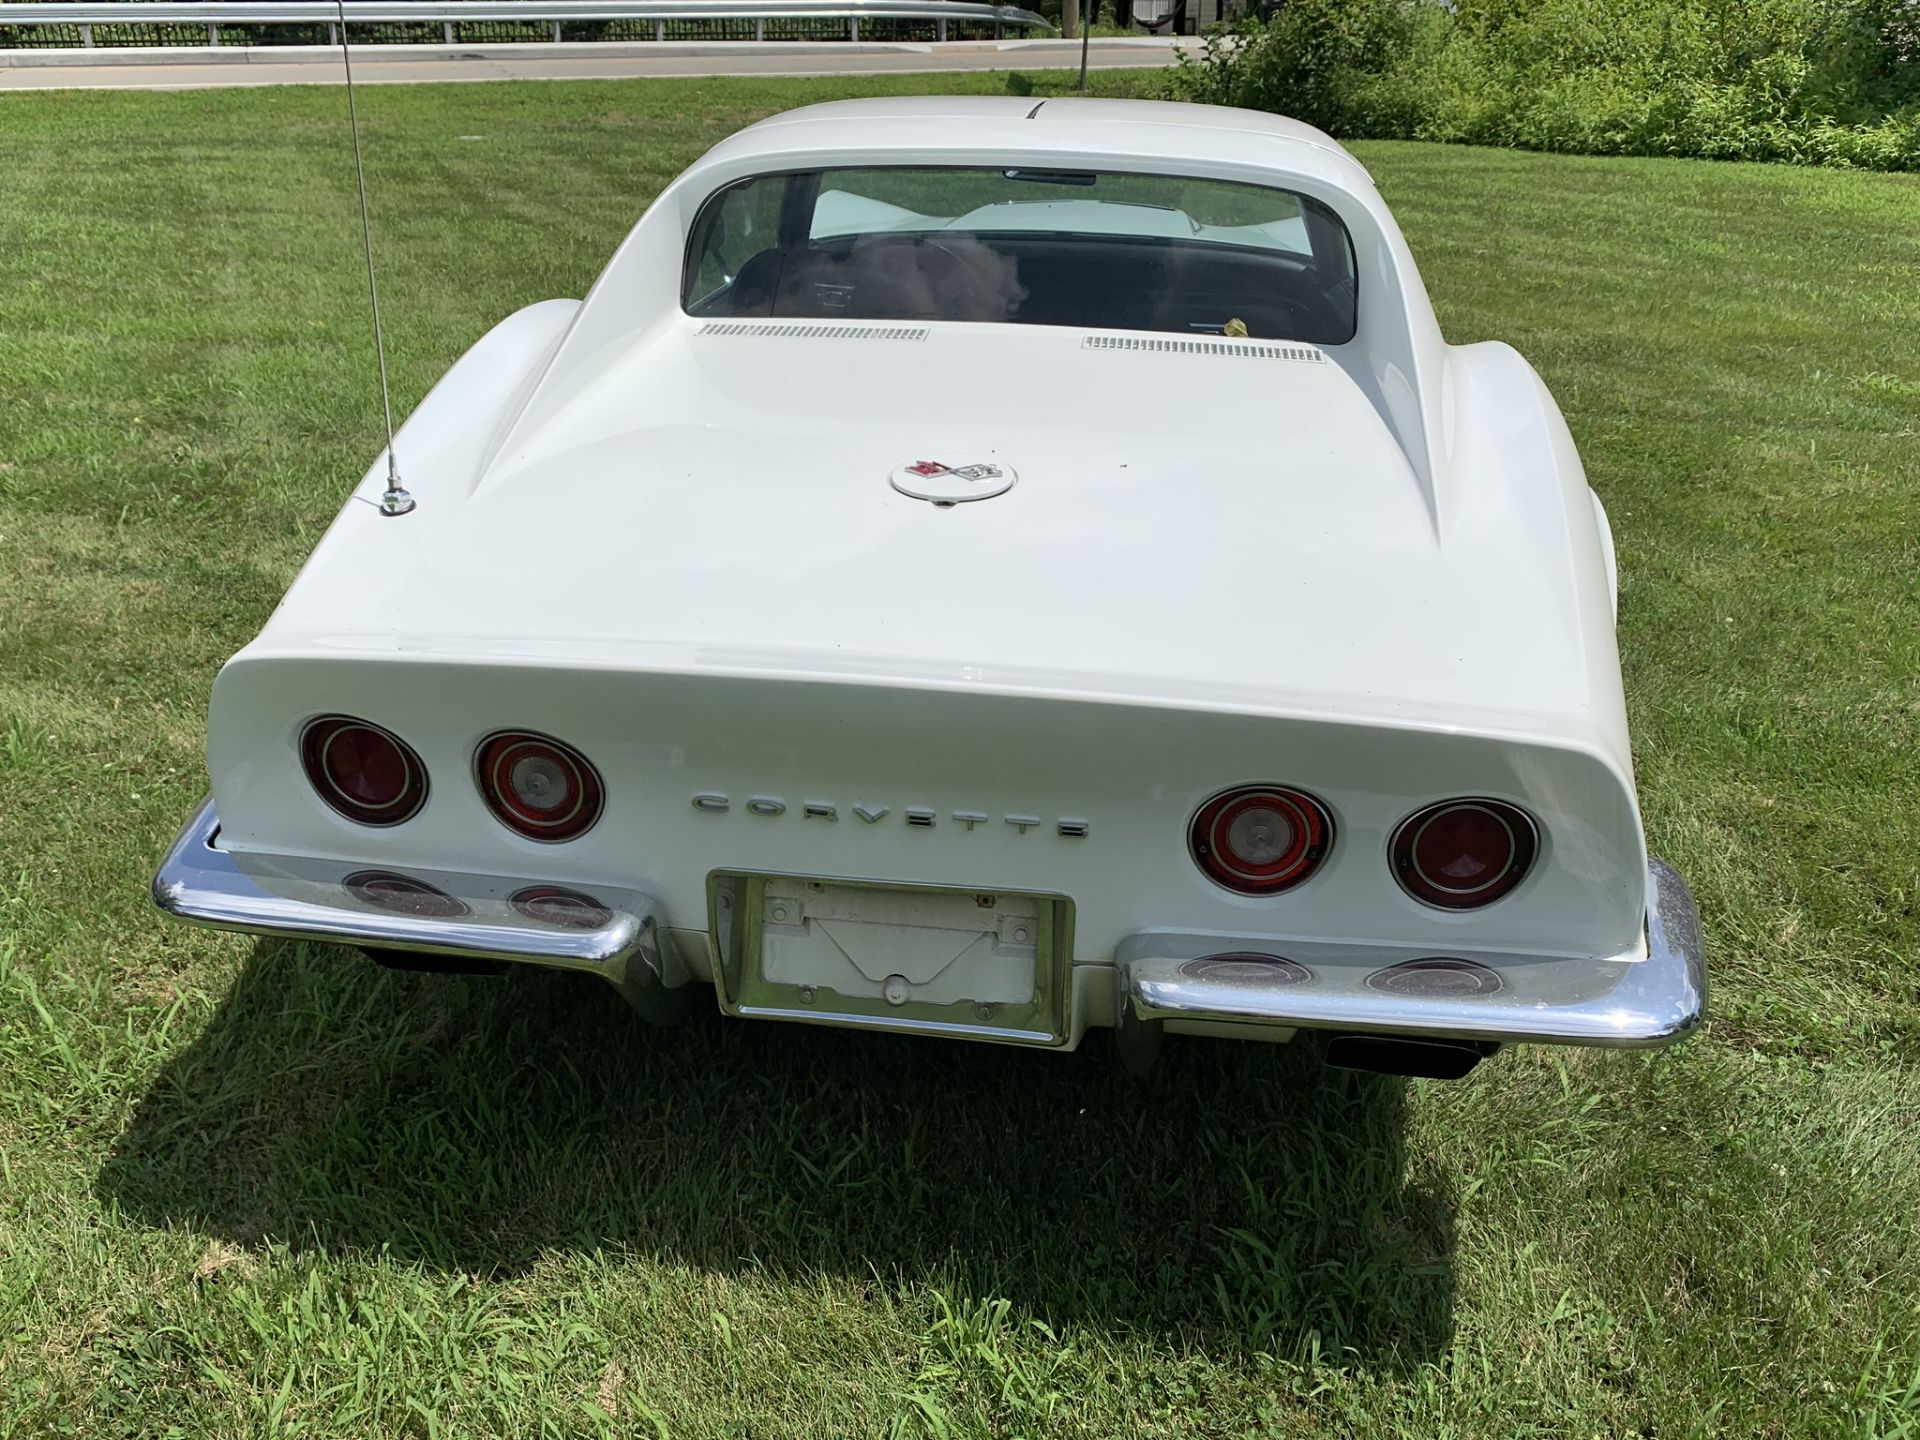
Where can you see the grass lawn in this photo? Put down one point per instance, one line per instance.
(265, 1189)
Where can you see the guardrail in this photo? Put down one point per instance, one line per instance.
(447, 13)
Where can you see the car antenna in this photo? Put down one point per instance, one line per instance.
(394, 500)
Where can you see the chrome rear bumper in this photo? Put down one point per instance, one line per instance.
(1634, 1001)
(473, 916)
(1637, 1000)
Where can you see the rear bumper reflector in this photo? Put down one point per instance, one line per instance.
(1629, 1001)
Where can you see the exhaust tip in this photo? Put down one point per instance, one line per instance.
(1413, 1058)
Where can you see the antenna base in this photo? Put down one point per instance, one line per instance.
(395, 501)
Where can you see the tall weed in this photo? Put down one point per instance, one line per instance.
(1832, 82)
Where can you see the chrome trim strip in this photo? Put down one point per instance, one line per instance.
(1635, 1001)
(296, 898)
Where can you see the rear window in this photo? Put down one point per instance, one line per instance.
(1037, 247)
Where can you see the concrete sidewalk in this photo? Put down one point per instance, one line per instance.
(206, 68)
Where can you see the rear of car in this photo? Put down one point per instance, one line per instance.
(997, 867)
(780, 631)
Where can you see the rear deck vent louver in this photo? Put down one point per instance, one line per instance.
(1234, 349)
(745, 331)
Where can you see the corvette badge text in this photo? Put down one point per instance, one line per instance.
(919, 817)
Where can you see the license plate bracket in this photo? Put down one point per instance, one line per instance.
(983, 964)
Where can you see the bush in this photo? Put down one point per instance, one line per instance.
(1812, 81)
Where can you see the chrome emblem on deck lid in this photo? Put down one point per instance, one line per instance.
(945, 484)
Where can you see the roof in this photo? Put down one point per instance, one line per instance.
(1074, 110)
(1154, 128)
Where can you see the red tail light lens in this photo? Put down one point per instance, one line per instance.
(1260, 839)
(366, 773)
(1462, 854)
(537, 786)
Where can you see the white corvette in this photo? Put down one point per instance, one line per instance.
(978, 567)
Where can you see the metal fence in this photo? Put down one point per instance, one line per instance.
(313, 22)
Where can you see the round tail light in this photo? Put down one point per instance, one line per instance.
(366, 773)
(537, 786)
(1462, 854)
(1260, 839)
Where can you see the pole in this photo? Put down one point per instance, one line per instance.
(395, 500)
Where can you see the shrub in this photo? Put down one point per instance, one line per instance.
(1811, 81)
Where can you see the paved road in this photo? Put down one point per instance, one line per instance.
(389, 65)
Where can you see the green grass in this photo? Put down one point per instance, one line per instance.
(264, 1189)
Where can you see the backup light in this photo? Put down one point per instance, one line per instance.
(367, 774)
(1260, 839)
(537, 786)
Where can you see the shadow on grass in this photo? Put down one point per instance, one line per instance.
(1241, 1197)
